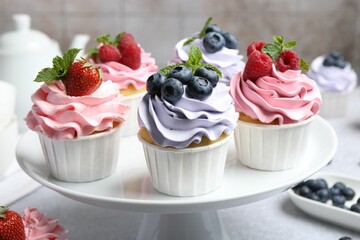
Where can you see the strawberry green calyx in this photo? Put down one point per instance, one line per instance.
(275, 49)
(3, 210)
(89, 65)
(194, 62)
(201, 34)
(60, 67)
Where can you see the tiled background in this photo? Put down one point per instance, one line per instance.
(318, 25)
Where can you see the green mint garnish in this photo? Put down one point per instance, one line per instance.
(201, 34)
(194, 62)
(60, 67)
(92, 52)
(304, 65)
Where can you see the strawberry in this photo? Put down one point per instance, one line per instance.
(80, 77)
(130, 51)
(11, 225)
(255, 46)
(288, 60)
(108, 53)
(259, 64)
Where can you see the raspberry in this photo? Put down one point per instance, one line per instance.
(255, 46)
(288, 60)
(258, 65)
(109, 53)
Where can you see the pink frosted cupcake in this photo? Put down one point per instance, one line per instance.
(277, 104)
(39, 226)
(124, 62)
(78, 118)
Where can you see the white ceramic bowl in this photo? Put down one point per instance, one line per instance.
(186, 172)
(8, 141)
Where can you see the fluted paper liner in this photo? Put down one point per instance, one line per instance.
(272, 147)
(130, 125)
(186, 172)
(83, 159)
(334, 104)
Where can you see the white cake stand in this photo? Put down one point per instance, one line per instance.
(167, 217)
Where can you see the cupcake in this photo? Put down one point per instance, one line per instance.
(277, 104)
(336, 80)
(124, 62)
(219, 48)
(186, 120)
(78, 118)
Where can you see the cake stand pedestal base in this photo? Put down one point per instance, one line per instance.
(187, 226)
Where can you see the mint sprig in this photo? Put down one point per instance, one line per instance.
(194, 62)
(274, 50)
(59, 68)
(201, 34)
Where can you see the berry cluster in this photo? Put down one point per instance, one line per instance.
(261, 56)
(334, 59)
(214, 38)
(318, 190)
(200, 79)
(123, 49)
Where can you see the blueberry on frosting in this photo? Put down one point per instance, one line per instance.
(334, 59)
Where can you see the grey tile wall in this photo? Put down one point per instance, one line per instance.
(318, 26)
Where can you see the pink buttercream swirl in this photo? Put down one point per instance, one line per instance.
(40, 227)
(59, 116)
(125, 76)
(289, 97)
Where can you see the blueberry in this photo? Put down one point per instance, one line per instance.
(305, 191)
(172, 90)
(335, 55)
(338, 200)
(329, 61)
(323, 194)
(209, 74)
(213, 42)
(340, 63)
(314, 196)
(348, 193)
(322, 183)
(213, 28)
(298, 186)
(181, 73)
(339, 185)
(358, 201)
(313, 185)
(230, 41)
(345, 238)
(199, 88)
(355, 208)
(334, 191)
(154, 83)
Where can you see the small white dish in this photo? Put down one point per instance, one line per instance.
(326, 211)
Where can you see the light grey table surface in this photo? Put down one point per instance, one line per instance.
(273, 218)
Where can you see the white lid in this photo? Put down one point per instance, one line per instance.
(23, 38)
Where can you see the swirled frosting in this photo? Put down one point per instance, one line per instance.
(40, 227)
(189, 119)
(125, 76)
(59, 116)
(288, 97)
(331, 78)
(227, 60)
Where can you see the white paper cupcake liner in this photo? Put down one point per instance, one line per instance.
(130, 125)
(272, 147)
(83, 159)
(334, 104)
(186, 172)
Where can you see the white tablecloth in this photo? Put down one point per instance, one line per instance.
(273, 218)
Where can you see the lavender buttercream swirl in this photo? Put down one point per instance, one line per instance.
(227, 60)
(331, 78)
(189, 119)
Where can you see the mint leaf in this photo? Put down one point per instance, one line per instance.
(212, 67)
(92, 52)
(289, 45)
(104, 39)
(46, 75)
(304, 65)
(195, 56)
(117, 38)
(166, 70)
(203, 31)
(272, 50)
(278, 40)
(190, 40)
(70, 56)
(59, 66)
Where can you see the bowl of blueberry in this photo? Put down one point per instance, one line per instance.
(330, 197)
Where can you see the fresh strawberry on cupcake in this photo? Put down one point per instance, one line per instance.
(274, 98)
(123, 61)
